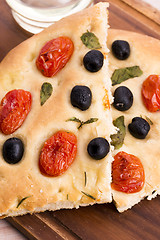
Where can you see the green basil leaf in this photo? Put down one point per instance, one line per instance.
(90, 40)
(122, 74)
(22, 201)
(46, 92)
(88, 195)
(118, 138)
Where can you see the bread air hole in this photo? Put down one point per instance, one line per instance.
(60, 190)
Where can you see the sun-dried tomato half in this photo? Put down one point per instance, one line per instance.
(127, 173)
(54, 55)
(58, 153)
(151, 93)
(14, 109)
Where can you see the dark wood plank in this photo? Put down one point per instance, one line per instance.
(34, 228)
(99, 221)
(11, 34)
(104, 222)
(147, 9)
(122, 16)
(42, 226)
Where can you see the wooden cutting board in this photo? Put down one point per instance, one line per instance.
(149, 8)
(97, 222)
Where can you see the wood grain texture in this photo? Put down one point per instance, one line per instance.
(122, 16)
(11, 33)
(95, 222)
(145, 8)
(99, 221)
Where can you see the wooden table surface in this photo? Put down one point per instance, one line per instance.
(121, 16)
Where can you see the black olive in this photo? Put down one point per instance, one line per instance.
(123, 98)
(13, 150)
(121, 49)
(139, 127)
(98, 148)
(93, 60)
(81, 97)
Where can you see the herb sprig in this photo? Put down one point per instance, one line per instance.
(81, 123)
(85, 179)
(22, 200)
(88, 195)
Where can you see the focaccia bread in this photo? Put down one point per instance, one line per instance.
(24, 187)
(144, 53)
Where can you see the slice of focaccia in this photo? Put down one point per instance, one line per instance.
(135, 179)
(55, 118)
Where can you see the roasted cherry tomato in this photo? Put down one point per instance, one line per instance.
(127, 173)
(151, 93)
(14, 109)
(58, 153)
(54, 56)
